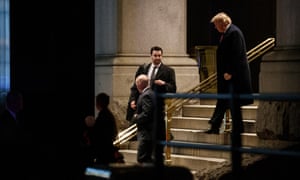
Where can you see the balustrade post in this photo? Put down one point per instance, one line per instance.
(168, 119)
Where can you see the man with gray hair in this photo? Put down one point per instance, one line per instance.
(145, 119)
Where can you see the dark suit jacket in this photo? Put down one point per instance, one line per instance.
(11, 131)
(166, 74)
(102, 136)
(232, 59)
(146, 105)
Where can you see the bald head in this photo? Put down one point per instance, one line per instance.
(142, 81)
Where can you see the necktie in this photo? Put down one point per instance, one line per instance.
(152, 75)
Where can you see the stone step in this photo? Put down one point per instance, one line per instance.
(195, 162)
(198, 152)
(186, 151)
(214, 101)
(189, 122)
(198, 159)
(188, 127)
(202, 123)
(191, 162)
(191, 154)
(198, 136)
(205, 111)
(248, 139)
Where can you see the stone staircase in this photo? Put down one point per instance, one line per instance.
(188, 125)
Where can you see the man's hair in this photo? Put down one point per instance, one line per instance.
(156, 48)
(142, 80)
(221, 17)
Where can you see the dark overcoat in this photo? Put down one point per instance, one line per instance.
(232, 59)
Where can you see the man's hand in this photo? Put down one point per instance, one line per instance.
(90, 121)
(133, 105)
(227, 76)
(159, 82)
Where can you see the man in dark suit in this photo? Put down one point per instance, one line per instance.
(15, 138)
(233, 73)
(144, 118)
(11, 121)
(162, 80)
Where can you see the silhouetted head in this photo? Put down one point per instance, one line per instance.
(14, 101)
(102, 101)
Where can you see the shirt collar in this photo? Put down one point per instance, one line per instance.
(145, 89)
(152, 65)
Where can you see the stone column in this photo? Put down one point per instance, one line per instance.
(126, 30)
(280, 73)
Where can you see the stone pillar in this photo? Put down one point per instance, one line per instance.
(125, 32)
(280, 73)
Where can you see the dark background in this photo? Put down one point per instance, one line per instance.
(52, 65)
(256, 19)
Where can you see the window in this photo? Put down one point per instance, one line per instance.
(4, 49)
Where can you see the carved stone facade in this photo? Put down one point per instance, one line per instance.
(130, 28)
(280, 73)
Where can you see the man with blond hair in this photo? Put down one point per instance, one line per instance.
(233, 72)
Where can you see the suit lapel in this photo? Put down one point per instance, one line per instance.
(147, 68)
(160, 71)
